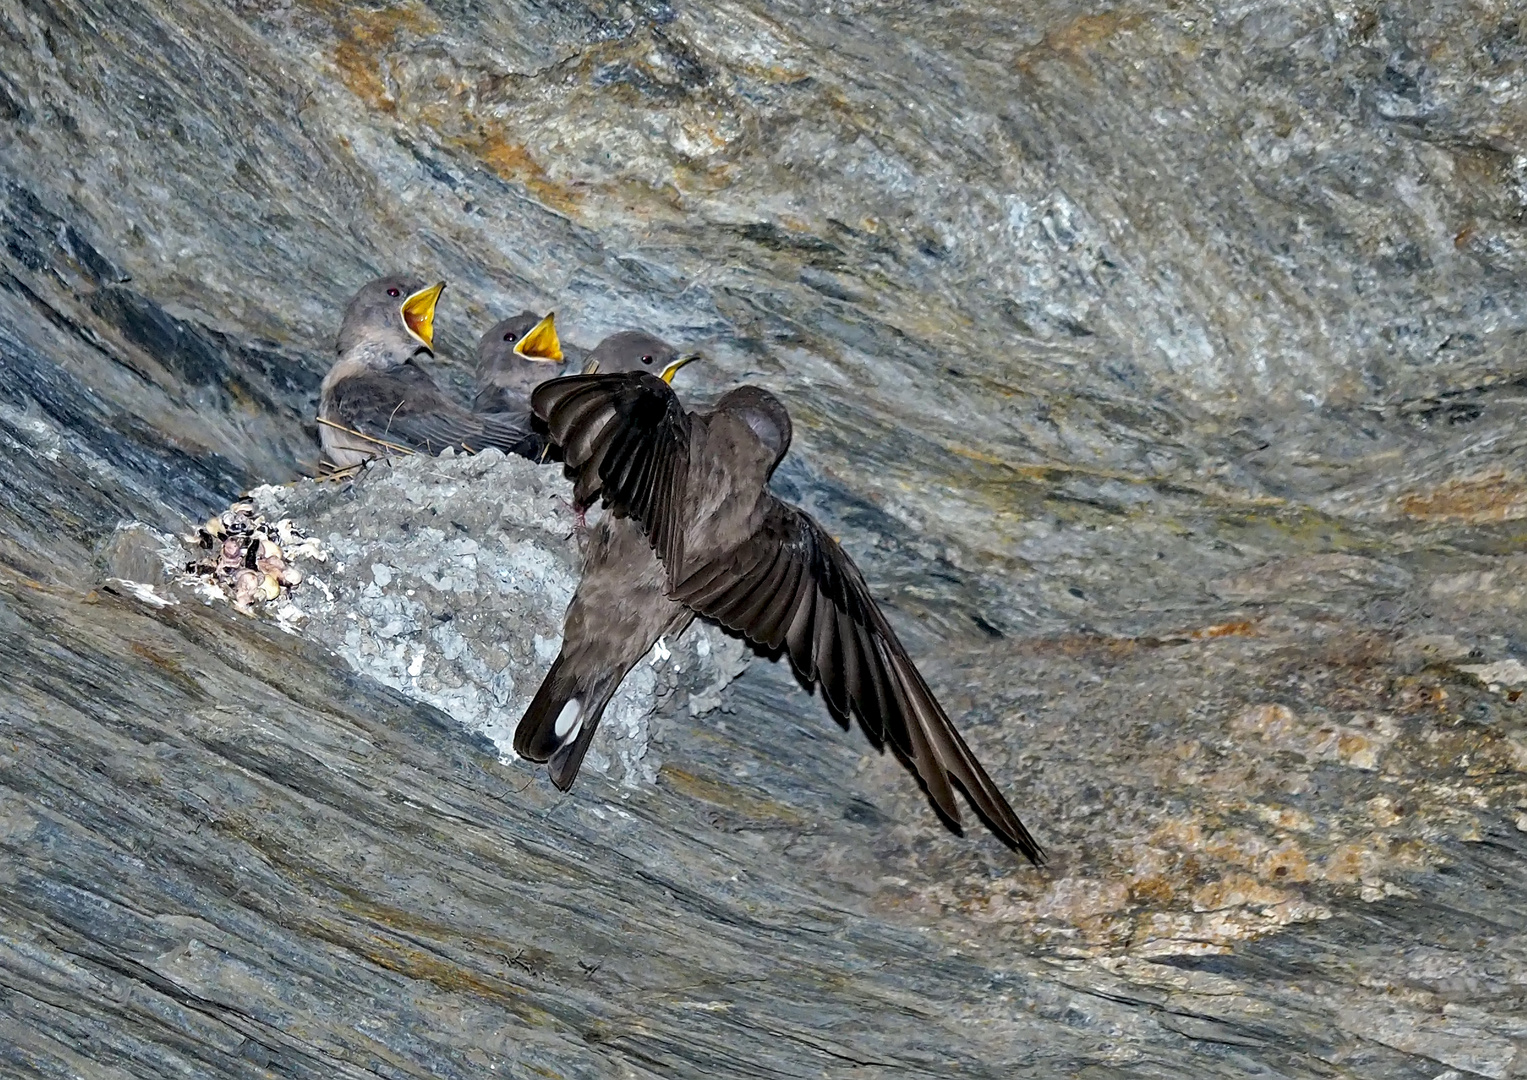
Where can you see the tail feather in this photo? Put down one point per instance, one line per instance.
(560, 722)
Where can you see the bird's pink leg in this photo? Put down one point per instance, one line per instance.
(580, 513)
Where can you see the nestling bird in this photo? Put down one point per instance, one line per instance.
(632, 350)
(515, 356)
(694, 530)
(375, 400)
(512, 361)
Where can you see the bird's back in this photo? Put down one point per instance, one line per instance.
(727, 488)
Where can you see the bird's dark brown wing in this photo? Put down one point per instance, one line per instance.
(626, 438)
(404, 406)
(791, 585)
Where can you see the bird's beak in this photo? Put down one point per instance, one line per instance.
(419, 313)
(541, 343)
(673, 369)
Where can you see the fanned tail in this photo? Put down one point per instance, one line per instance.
(560, 722)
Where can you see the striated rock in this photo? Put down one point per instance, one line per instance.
(1161, 366)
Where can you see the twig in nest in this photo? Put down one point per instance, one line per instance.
(363, 435)
(328, 471)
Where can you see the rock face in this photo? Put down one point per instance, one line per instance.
(1161, 366)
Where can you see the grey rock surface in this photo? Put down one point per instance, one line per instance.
(1161, 365)
(447, 579)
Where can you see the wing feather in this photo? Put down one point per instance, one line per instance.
(583, 442)
(704, 578)
(877, 698)
(737, 587)
(765, 592)
(791, 584)
(924, 760)
(774, 621)
(828, 651)
(403, 406)
(626, 439)
(799, 638)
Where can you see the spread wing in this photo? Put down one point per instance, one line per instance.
(791, 585)
(404, 406)
(626, 438)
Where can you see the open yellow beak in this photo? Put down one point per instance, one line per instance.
(419, 313)
(540, 342)
(673, 369)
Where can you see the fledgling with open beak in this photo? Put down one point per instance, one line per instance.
(693, 529)
(376, 401)
(514, 357)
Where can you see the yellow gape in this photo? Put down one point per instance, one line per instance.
(419, 313)
(540, 342)
(673, 369)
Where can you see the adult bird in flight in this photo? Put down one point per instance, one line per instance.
(694, 530)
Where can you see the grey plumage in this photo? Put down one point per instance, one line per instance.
(505, 378)
(506, 374)
(375, 400)
(720, 545)
(621, 608)
(630, 350)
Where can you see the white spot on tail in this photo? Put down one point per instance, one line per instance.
(569, 720)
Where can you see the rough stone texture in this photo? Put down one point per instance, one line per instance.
(447, 579)
(1160, 364)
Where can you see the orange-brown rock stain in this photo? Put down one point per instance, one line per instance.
(512, 161)
(364, 40)
(1072, 41)
(726, 796)
(170, 666)
(1488, 497)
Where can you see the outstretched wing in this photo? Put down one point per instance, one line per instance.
(404, 406)
(791, 585)
(626, 438)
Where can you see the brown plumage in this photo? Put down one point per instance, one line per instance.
(695, 486)
(621, 608)
(508, 369)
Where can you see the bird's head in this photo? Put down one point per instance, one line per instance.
(389, 320)
(765, 416)
(636, 350)
(520, 352)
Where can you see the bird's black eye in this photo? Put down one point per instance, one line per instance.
(646, 359)
(393, 292)
(508, 337)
